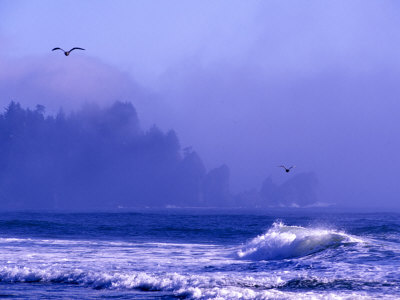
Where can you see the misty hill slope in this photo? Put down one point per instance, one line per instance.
(100, 158)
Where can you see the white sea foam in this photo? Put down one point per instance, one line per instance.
(182, 285)
(282, 241)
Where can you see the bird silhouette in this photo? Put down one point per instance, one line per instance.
(287, 169)
(66, 53)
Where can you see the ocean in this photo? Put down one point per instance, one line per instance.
(189, 254)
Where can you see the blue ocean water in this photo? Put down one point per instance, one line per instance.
(176, 254)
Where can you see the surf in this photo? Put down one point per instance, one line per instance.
(282, 242)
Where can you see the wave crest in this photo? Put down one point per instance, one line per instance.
(282, 241)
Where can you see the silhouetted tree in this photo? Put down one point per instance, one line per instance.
(92, 159)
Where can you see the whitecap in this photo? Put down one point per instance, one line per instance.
(282, 241)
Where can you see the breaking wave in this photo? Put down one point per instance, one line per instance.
(179, 285)
(361, 263)
(282, 241)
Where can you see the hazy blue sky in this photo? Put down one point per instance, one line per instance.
(253, 84)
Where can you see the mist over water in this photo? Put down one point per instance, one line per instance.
(248, 85)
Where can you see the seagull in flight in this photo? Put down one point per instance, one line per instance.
(287, 169)
(66, 53)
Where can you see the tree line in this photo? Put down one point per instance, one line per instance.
(100, 158)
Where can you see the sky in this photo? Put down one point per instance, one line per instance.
(252, 84)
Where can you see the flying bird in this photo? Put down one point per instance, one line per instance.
(66, 53)
(287, 169)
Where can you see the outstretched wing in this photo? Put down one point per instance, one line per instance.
(57, 49)
(292, 167)
(76, 48)
(282, 167)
